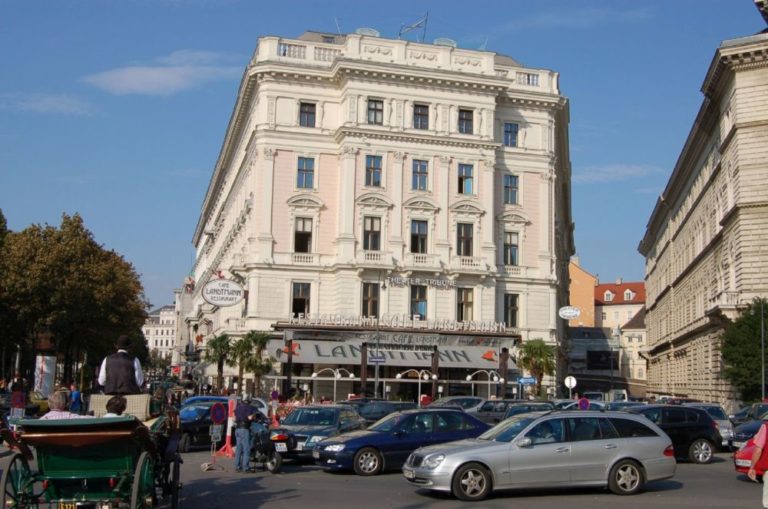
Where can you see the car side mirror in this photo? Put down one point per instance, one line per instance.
(525, 442)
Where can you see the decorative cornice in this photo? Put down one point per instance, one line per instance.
(447, 141)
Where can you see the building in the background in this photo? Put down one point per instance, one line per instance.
(160, 331)
(634, 348)
(385, 199)
(581, 294)
(706, 241)
(617, 303)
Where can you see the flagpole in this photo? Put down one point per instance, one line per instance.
(424, 32)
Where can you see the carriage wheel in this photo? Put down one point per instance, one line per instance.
(175, 482)
(142, 491)
(17, 489)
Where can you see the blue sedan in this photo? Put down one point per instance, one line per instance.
(386, 444)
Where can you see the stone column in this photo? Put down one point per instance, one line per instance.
(487, 191)
(396, 193)
(443, 217)
(345, 243)
(265, 238)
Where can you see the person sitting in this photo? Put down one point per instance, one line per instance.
(57, 404)
(116, 406)
(543, 434)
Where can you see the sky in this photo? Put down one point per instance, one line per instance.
(117, 110)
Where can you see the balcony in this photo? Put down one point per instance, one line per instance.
(468, 264)
(422, 261)
(377, 258)
(513, 270)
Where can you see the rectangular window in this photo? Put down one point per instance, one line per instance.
(371, 233)
(464, 239)
(305, 176)
(307, 114)
(418, 236)
(511, 248)
(511, 189)
(510, 309)
(373, 171)
(420, 116)
(466, 121)
(375, 111)
(419, 180)
(303, 235)
(464, 304)
(419, 302)
(371, 300)
(510, 134)
(603, 316)
(465, 179)
(300, 300)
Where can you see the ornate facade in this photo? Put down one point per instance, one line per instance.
(706, 241)
(369, 186)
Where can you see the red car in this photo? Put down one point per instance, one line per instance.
(742, 458)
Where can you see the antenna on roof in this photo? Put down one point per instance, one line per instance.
(422, 23)
(338, 28)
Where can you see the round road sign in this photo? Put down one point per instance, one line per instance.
(570, 382)
(218, 413)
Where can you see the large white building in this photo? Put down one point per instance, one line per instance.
(706, 241)
(372, 190)
(160, 331)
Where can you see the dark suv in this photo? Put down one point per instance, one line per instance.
(375, 410)
(694, 434)
(496, 410)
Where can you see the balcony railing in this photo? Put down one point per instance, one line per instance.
(421, 260)
(374, 258)
(303, 258)
(472, 263)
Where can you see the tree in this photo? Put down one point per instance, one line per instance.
(538, 358)
(258, 365)
(239, 356)
(217, 351)
(3, 228)
(61, 280)
(741, 347)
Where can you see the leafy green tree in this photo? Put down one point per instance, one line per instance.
(61, 280)
(538, 358)
(741, 347)
(3, 228)
(258, 365)
(216, 352)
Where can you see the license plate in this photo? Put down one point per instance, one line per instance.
(281, 447)
(743, 463)
(316, 454)
(409, 474)
(737, 444)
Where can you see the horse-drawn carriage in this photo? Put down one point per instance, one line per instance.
(92, 463)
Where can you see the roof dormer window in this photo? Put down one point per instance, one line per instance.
(629, 295)
(608, 296)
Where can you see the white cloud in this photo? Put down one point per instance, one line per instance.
(44, 103)
(614, 173)
(179, 71)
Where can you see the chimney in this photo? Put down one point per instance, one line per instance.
(575, 260)
(618, 280)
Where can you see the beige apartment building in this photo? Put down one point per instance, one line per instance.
(581, 294)
(160, 331)
(706, 241)
(372, 191)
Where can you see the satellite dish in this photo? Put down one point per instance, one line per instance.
(444, 41)
(372, 32)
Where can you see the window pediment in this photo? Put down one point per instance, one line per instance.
(305, 201)
(468, 207)
(374, 201)
(514, 217)
(422, 204)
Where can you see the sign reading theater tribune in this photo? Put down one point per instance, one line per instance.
(223, 292)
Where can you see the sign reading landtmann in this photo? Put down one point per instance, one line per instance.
(223, 292)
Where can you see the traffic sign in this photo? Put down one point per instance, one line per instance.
(526, 380)
(377, 358)
(570, 382)
(218, 413)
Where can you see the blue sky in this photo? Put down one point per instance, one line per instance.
(117, 109)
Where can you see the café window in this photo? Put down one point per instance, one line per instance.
(419, 302)
(418, 236)
(300, 301)
(371, 233)
(464, 239)
(370, 300)
(464, 298)
(303, 235)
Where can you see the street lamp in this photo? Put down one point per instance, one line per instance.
(421, 374)
(378, 338)
(336, 376)
(493, 376)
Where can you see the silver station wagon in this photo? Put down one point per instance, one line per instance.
(548, 449)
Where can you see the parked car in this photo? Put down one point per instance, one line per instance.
(495, 410)
(742, 459)
(308, 425)
(724, 425)
(693, 432)
(386, 444)
(258, 403)
(593, 405)
(548, 449)
(743, 432)
(749, 413)
(622, 405)
(467, 403)
(522, 407)
(195, 422)
(376, 410)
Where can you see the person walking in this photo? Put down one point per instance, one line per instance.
(243, 418)
(75, 400)
(760, 440)
(120, 374)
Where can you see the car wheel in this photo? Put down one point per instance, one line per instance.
(184, 442)
(700, 451)
(625, 478)
(471, 482)
(368, 461)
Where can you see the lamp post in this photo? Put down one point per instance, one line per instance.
(378, 338)
(421, 374)
(336, 376)
(616, 336)
(492, 376)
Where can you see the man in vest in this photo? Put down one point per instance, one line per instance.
(121, 374)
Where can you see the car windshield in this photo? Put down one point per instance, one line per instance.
(507, 430)
(193, 412)
(388, 423)
(716, 413)
(312, 417)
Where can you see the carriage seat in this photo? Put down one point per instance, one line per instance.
(137, 405)
(83, 432)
